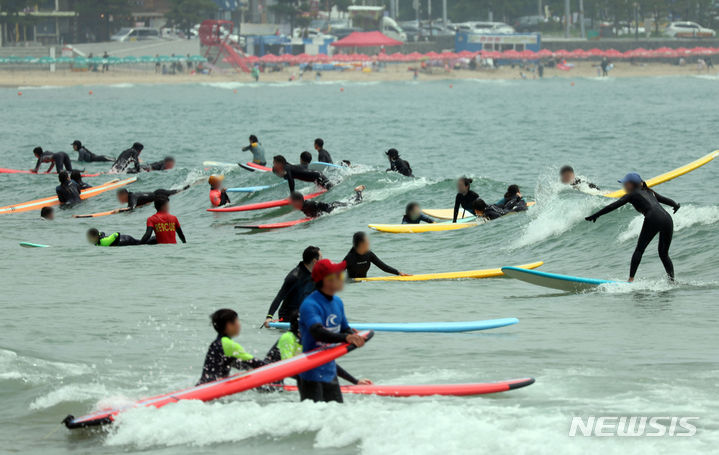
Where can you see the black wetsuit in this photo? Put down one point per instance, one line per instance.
(156, 166)
(89, 157)
(579, 181)
(656, 221)
(82, 185)
(68, 193)
(492, 212)
(298, 284)
(140, 199)
(359, 264)
(323, 156)
(128, 161)
(313, 209)
(513, 204)
(306, 175)
(465, 201)
(117, 239)
(61, 160)
(218, 362)
(401, 166)
(422, 217)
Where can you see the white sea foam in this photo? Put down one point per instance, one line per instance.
(687, 216)
(36, 371)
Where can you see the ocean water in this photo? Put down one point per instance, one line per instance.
(85, 327)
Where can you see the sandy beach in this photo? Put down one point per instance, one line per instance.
(393, 72)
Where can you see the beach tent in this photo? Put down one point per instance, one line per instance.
(366, 39)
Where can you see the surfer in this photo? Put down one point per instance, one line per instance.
(656, 220)
(323, 156)
(298, 284)
(134, 200)
(98, 238)
(258, 153)
(224, 353)
(313, 209)
(360, 258)
(165, 164)
(129, 160)
(76, 177)
(47, 213)
(289, 172)
(60, 160)
(305, 159)
(397, 164)
(413, 215)
(566, 174)
(67, 191)
(163, 224)
(83, 154)
(322, 320)
(489, 212)
(512, 200)
(218, 193)
(465, 197)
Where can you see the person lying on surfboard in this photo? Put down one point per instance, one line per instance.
(397, 164)
(323, 320)
(163, 225)
(258, 153)
(313, 209)
(298, 284)
(98, 238)
(281, 168)
(47, 213)
(305, 159)
(224, 353)
(512, 200)
(134, 200)
(76, 177)
(656, 220)
(83, 154)
(289, 345)
(360, 258)
(413, 215)
(60, 160)
(567, 176)
(129, 160)
(487, 211)
(465, 197)
(165, 164)
(67, 191)
(218, 193)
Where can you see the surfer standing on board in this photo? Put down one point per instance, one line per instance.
(323, 320)
(656, 220)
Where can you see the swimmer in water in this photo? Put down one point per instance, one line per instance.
(281, 168)
(397, 164)
(305, 160)
(465, 198)
(224, 353)
(47, 213)
(166, 164)
(218, 193)
(360, 258)
(413, 215)
(656, 220)
(323, 156)
(98, 238)
(313, 209)
(76, 177)
(567, 176)
(258, 153)
(67, 191)
(60, 160)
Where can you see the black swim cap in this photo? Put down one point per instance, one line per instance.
(566, 169)
(76, 142)
(37, 150)
(137, 146)
(393, 153)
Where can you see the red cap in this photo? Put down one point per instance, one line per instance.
(326, 267)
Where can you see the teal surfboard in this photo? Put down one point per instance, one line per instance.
(252, 189)
(320, 166)
(555, 281)
(439, 327)
(33, 245)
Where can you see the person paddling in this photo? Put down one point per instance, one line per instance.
(60, 160)
(313, 209)
(138, 199)
(465, 197)
(656, 220)
(129, 160)
(512, 200)
(360, 258)
(486, 211)
(397, 164)
(289, 172)
(97, 238)
(83, 154)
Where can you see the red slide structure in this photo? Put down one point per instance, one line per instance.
(217, 47)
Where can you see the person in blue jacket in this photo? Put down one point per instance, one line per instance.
(323, 321)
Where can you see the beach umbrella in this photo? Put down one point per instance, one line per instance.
(595, 52)
(510, 55)
(528, 55)
(544, 53)
(563, 53)
(414, 56)
(432, 55)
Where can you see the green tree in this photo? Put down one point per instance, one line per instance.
(184, 14)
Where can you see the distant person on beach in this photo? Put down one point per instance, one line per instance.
(67, 191)
(413, 215)
(323, 156)
(76, 177)
(567, 176)
(164, 225)
(360, 258)
(105, 63)
(158, 66)
(98, 238)
(465, 198)
(298, 284)
(258, 153)
(256, 73)
(47, 213)
(313, 209)
(218, 193)
(397, 164)
(83, 154)
(165, 164)
(305, 159)
(224, 353)
(656, 220)
(60, 160)
(605, 66)
(129, 160)
(289, 172)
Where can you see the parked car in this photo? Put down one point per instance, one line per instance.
(136, 34)
(414, 33)
(486, 27)
(529, 23)
(688, 30)
(435, 31)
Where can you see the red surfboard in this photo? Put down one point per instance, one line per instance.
(454, 390)
(262, 205)
(283, 224)
(20, 171)
(230, 385)
(253, 167)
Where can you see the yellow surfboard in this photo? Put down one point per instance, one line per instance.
(425, 227)
(474, 274)
(671, 175)
(448, 214)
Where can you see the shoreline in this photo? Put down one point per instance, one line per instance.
(394, 72)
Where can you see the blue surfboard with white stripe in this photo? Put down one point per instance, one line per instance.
(438, 327)
(566, 283)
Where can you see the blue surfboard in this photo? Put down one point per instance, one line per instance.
(555, 281)
(251, 189)
(33, 245)
(320, 166)
(438, 327)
